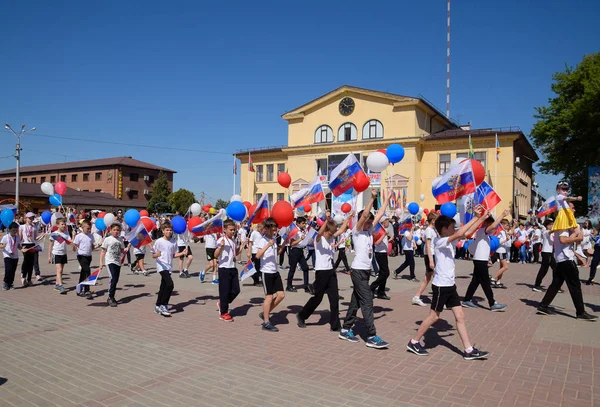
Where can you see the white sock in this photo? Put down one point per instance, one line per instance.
(469, 349)
(414, 342)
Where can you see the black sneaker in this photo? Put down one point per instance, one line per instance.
(291, 289)
(111, 302)
(300, 321)
(476, 354)
(267, 326)
(587, 317)
(88, 295)
(383, 297)
(182, 274)
(543, 310)
(417, 349)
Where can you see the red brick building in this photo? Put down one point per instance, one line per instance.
(124, 178)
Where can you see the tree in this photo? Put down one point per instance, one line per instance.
(220, 204)
(160, 192)
(567, 130)
(181, 200)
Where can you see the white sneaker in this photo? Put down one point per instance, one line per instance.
(418, 301)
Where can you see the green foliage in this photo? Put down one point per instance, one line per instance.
(221, 204)
(567, 130)
(160, 191)
(181, 200)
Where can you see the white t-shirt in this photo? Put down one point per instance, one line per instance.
(227, 256)
(407, 244)
(562, 252)
(444, 262)
(85, 244)
(537, 236)
(502, 248)
(547, 241)
(114, 250)
(268, 262)
(59, 248)
(141, 250)
(342, 240)
(561, 202)
(168, 249)
(482, 245)
(255, 237)
(430, 234)
(363, 249)
(521, 235)
(586, 244)
(242, 235)
(12, 246)
(29, 233)
(183, 239)
(300, 237)
(210, 241)
(323, 254)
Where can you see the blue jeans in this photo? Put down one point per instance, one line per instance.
(523, 253)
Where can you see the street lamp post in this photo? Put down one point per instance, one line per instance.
(18, 157)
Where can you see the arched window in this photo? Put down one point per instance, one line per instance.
(324, 134)
(372, 129)
(347, 132)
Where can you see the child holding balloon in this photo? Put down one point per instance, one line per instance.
(57, 252)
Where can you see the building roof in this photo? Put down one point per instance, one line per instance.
(102, 162)
(71, 198)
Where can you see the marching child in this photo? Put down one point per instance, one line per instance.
(113, 249)
(9, 244)
(504, 238)
(272, 283)
(444, 288)
(140, 255)
(57, 252)
(253, 240)
(183, 243)
(429, 236)
(210, 244)
(229, 285)
(83, 244)
(28, 235)
(548, 260)
(342, 241)
(381, 258)
(165, 249)
(296, 256)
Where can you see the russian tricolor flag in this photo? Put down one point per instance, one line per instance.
(321, 217)
(60, 238)
(342, 177)
(213, 225)
(309, 195)
(486, 196)
(454, 183)
(290, 232)
(91, 280)
(248, 270)
(262, 210)
(406, 225)
(139, 236)
(547, 208)
(72, 218)
(378, 233)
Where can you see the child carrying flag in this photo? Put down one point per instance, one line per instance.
(83, 244)
(140, 255)
(9, 244)
(112, 250)
(229, 285)
(57, 252)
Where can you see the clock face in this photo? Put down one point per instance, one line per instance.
(346, 106)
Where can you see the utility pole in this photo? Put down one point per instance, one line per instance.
(18, 157)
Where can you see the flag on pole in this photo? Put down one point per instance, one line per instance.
(288, 233)
(547, 208)
(139, 236)
(471, 152)
(91, 280)
(379, 232)
(234, 165)
(406, 225)
(404, 197)
(497, 148)
(250, 165)
(454, 183)
(262, 210)
(393, 200)
(247, 271)
(311, 194)
(213, 225)
(321, 217)
(486, 196)
(311, 233)
(342, 177)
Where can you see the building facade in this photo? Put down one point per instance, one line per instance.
(124, 178)
(353, 120)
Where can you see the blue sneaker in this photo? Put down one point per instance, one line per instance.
(348, 335)
(497, 307)
(201, 276)
(468, 304)
(376, 342)
(215, 282)
(5, 287)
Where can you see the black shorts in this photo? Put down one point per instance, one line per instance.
(210, 254)
(447, 296)
(428, 268)
(272, 283)
(139, 257)
(59, 259)
(501, 256)
(182, 248)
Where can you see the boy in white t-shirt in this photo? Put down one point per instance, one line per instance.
(429, 235)
(210, 244)
(183, 243)
(253, 240)
(165, 249)
(140, 255)
(408, 244)
(381, 257)
(28, 235)
(57, 252)
(229, 283)
(83, 244)
(548, 260)
(113, 249)
(10, 245)
(341, 249)
(501, 252)
(444, 288)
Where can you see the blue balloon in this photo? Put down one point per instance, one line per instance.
(494, 243)
(55, 200)
(416, 239)
(413, 208)
(7, 216)
(179, 224)
(100, 224)
(236, 211)
(46, 217)
(448, 209)
(394, 153)
(467, 243)
(132, 217)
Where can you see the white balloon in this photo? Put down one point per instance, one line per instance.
(377, 161)
(339, 219)
(55, 217)
(47, 188)
(422, 197)
(195, 209)
(236, 198)
(456, 161)
(399, 212)
(421, 209)
(109, 219)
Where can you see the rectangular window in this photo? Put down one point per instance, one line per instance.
(270, 196)
(133, 194)
(270, 172)
(133, 177)
(33, 180)
(73, 177)
(347, 133)
(259, 173)
(280, 197)
(98, 176)
(86, 177)
(257, 197)
(24, 180)
(481, 158)
(322, 166)
(444, 163)
(280, 168)
(462, 155)
(63, 178)
(42, 179)
(53, 179)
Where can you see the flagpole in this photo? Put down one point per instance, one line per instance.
(496, 169)
(234, 173)
(249, 159)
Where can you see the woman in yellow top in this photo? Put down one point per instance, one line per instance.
(564, 216)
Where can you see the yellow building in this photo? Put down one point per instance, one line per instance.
(353, 120)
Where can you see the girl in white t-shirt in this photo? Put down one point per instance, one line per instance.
(429, 235)
(57, 252)
(325, 277)
(253, 240)
(504, 238)
(10, 246)
(229, 285)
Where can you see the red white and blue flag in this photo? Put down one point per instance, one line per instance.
(262, 210)
(406, 225)
(342, 177)
(548, 208)
(60, 238)
(454, 183)
(247, 271)
(321, 217)
(72, 218)
(91, 280)
(139, 236)
(309, 195)
(393, 200)
(213, 225)
(486, 196)
(289, 232)
(378, 233)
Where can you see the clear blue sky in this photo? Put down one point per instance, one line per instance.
(216, 76)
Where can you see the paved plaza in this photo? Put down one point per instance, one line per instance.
(62, 350)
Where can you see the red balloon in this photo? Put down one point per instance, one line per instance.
(283, 213)
(307, 208)
(149, 224)
(206, 208)
(361, 182)
(248, 205)
(194, 221)
(101, 215)
(346, 207)
(518, 244)
(209, 206)
(382, 150)
(144, 212)
(478, 171)
(60, 188)
(426, 211)
(284, 179)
